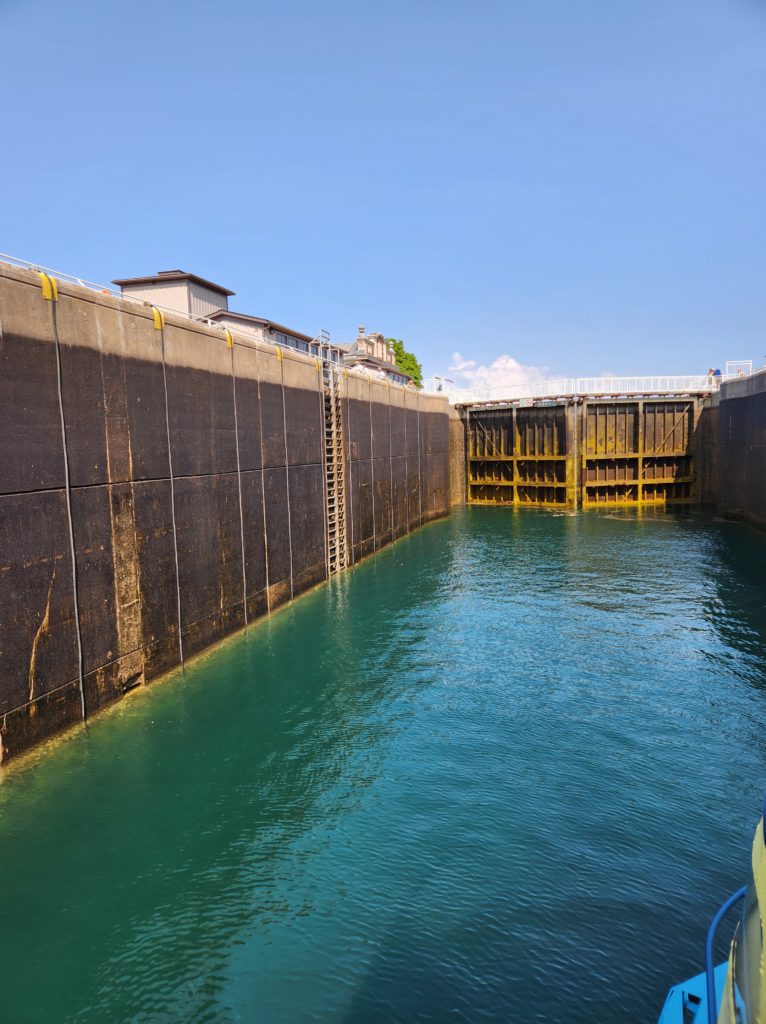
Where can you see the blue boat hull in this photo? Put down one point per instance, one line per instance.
(687, 1002)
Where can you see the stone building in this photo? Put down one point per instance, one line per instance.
(373, 354)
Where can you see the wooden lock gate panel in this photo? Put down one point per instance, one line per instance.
(638, 452)
(521, 455)
(591, 453)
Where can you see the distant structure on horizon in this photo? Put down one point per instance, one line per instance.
(200, 299)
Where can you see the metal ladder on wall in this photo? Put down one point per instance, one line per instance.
(335, 470)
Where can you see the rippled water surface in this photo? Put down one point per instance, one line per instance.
(503, 771)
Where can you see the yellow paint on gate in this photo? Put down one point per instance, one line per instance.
(596, 453)
(638, 452)
(521, 456)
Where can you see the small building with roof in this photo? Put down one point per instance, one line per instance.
(177, 290)
(277, 334)
(200, 299)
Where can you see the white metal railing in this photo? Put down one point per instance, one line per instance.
(325, 348)
(575, 386)
(559, 388)
(102, 289)
(321, 340)
(59, 275)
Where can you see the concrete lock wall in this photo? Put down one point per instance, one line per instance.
(457, 458)
(397, 461)
(195, 499)
(737, 450)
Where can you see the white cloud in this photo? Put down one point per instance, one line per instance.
(501, 372)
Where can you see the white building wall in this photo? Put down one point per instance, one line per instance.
(171, 295)
(204, 301)
(249, 330)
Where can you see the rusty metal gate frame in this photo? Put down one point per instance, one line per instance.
(502, 470)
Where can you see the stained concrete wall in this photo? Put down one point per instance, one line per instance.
(706, 451)
(196, 492)
(738, 456)
(397, 445)
(458, 476)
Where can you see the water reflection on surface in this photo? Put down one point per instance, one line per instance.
(504, 770)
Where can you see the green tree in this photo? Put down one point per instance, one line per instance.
(407, 362)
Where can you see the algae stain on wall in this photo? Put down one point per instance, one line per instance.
(236, 529)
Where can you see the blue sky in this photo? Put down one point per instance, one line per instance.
(576, 186)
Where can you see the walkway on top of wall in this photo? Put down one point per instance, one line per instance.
(588, 387)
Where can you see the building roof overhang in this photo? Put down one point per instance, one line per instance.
(164, 276)
(269, 325)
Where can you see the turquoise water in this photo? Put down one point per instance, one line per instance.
(503, 771)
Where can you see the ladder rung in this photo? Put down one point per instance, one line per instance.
(335, 472)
